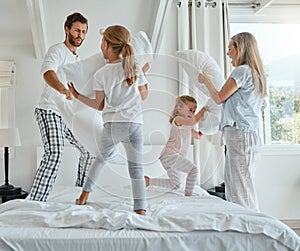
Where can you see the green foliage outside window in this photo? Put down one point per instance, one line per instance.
(284, 115)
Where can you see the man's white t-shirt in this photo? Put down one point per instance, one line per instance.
(57, 56)
(123, 103)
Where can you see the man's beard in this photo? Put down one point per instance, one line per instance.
(73, 42)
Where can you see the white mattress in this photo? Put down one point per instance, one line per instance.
(173, 222)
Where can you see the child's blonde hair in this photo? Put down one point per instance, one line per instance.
(118, 37)
(180, 101)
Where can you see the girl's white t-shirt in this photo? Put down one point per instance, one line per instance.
(123, 103)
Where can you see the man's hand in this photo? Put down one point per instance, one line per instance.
(67, 93)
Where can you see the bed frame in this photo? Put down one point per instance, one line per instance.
(173, 221)
(113, 173)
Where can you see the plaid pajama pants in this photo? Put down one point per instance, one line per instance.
(53, 133)
(240, 165)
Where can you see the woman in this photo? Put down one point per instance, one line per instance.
(242, 98)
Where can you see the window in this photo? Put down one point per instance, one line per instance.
(7, 94)
(280, 51)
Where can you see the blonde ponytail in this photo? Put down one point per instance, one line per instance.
(119, 37)
(129, 65)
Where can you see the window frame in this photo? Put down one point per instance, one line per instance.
(273, 15)
(7, 94)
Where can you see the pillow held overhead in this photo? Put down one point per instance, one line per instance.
(194, 62)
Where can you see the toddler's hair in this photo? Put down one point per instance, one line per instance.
(180, 101)
(118, 37)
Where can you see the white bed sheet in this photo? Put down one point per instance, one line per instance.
(173, 222)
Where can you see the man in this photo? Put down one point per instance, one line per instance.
(53, 129)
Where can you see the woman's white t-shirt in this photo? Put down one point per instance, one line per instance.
(123, 103)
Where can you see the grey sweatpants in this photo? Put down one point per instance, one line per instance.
(131, 136)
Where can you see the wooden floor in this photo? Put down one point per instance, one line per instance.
(293, 224)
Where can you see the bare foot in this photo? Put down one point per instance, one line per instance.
(201, 135)
(188, 194)
(147, 180)
(79, 202)
(141, 211)
(83, 198)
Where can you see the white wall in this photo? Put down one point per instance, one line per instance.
(277, 182)
(27, 91)
(136, 16)
(278, 175)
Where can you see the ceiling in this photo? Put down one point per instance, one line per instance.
(17, 23)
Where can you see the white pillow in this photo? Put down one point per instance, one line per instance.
(142, 48)
(194, 62)
(86, 123)
(80, 72)
(203, 63)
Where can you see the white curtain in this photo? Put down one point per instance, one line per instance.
(184, 41)
(203, 26)
(163, 12)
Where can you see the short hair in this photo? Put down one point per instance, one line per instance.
(75, 17)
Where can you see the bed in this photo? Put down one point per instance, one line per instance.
(173, 222)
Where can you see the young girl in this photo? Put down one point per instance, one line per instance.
(173, 156)
(117, 83)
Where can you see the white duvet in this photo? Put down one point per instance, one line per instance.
(167, 212)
